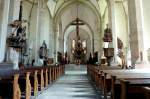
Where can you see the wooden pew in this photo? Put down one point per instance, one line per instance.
(46, 75)
(95, 72)
(146, 90)
(33, 81)
(50, 75)
(25, 85)
(115, 80)
(19, 84)
(40, 76)
(119, 74)
(133, 85)
(16, 88)
(9, 87)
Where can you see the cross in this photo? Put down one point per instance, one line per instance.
(77, 22)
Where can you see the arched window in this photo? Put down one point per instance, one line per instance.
(73, 44)
(84, 44)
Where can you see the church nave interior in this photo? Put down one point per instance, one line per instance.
(51, 48)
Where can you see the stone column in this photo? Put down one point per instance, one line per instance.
(1, 15)
(9, 12)
(61, 44)
(60, 39)
(1, 19)
(135, 30)
(4, 24)
(55, 43)
(146, 31)
(141, 34)
(112, 24)
(37, 34)
(51, 40)
(16, 9)
(100, 51)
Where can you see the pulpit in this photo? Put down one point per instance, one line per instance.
(109, 53)
(17, 39)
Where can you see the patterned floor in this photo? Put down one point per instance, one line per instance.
(73, 85)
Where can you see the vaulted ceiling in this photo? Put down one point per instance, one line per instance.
(65, 11)
(100, 5)
(89, 11)
(55, 5)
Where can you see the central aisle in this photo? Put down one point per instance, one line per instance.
(73, 85)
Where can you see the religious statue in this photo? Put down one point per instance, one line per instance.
(17, 39)
(43, 51)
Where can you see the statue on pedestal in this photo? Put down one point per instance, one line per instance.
(43, 50)
(43, 53)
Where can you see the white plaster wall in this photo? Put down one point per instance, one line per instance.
(1, 19)
(97, 37)
(146, 30)
(30, 14)
(146, 23)
(121, 23)
(102, 6)
(45, 27)
(51, 41)
(16, 9)
(105, 21)
(3, 32)
(51, 5)
(60, 39)
(46, 31)
(1, 15)
(95, 3)
(26, 14)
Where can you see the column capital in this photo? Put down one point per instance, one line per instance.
(110, 1)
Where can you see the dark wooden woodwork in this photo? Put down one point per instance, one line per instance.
(122, 84)
(9, 87)
(21, 84)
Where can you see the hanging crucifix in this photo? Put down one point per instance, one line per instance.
(78, 51)
(77, 23)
